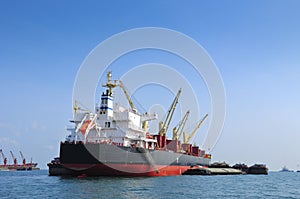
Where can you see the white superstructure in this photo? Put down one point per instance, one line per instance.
(111, 123)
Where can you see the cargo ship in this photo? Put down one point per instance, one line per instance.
(15, 166)
(115, 141)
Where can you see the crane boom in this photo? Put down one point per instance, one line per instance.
(182, 124)
(168, 119)
(13, 157)
(23, 159)
(128, 96)
(187, 138)
(3, 156)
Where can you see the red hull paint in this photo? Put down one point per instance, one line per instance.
(133, 170)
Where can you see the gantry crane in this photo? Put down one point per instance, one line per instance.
(127, 96)
(13, 157)
(176, 135)
(3, 156)
(23, 159)
(187, 138)
(165, 125)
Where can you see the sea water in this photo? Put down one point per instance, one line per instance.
(37, 184)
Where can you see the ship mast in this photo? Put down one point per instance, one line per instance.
(110, 84)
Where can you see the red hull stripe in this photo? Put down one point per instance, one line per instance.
(126, 169)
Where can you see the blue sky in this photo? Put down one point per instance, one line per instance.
(255, 45)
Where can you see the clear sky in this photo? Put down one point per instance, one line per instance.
(255, 45)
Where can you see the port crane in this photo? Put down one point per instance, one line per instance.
(187, 138)
(165, 125)
(176, 135)
(3, 156)
(13, 157)
(23, 159)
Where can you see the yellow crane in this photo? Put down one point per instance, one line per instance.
(165, 125)
(128, 96)
(187, 138)
(76, 107)
(176, 135)
(145, 117)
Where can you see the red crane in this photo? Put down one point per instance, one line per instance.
(13, 157)
(3, 156)
(23, 159)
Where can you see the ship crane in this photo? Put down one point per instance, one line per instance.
(187, 138)
(13, 157)
(127, 96)
(165, 125)
(144, 117)
(23, 159)
(76, 107)
(3, 156)
(176, 135)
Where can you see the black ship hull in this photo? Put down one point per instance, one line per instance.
(95, 159)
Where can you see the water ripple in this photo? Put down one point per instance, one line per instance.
(37, 184)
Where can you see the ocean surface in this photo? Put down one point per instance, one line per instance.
(37, 184)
